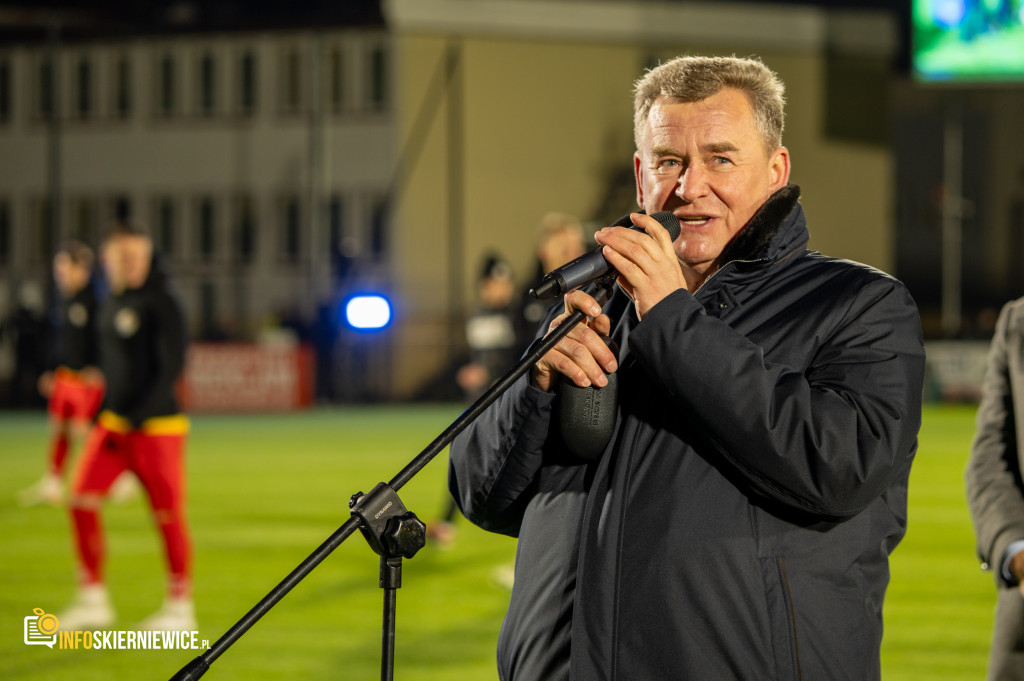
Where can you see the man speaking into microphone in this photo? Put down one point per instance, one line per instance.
(739, 521)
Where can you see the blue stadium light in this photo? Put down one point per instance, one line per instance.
(368, 312)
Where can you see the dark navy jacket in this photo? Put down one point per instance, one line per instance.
(739, 523)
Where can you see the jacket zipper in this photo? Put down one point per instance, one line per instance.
(614, 657)
(792, 617)
(715, 273)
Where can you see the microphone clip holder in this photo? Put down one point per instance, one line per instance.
(391, 530)
(394, 533)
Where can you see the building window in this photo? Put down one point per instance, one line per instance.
(165, 224)
(42, 220)
(83, 88)
(342, 246)
(292, 229)
(245, 229)
(5, 90)
(166, 86)
(247, 84)
(45, 95)
(378, 230)
(85, 224)
(205, 229)
(207, 308)
(207, 84)
(336, 225)
(377, 95)
(336, 80)
(122, 87)
(122, 207)
(5, 231)
(292, 85)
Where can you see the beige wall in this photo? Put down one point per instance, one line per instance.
(545, 122)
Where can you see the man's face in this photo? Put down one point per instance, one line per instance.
(497, 291)
(70, 276)
(560, 247)
(706, 163)
(126, 261)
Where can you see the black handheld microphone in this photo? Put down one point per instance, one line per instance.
(592, 265)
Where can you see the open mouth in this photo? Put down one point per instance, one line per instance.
(695, 220)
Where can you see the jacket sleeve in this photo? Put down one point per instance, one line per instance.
(995, 493)
(494, 463)
(824, 439)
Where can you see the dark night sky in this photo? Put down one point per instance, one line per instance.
(135, 16)
(28, 20)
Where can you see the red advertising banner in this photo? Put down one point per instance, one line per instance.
(238, 377)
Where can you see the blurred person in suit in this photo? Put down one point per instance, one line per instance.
(995, 491)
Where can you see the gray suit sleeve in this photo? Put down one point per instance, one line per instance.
(995, 493)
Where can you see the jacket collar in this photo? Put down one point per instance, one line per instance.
(774, 231)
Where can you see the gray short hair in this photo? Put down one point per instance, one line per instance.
(692, 79)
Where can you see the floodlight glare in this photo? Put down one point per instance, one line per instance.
(368, 312)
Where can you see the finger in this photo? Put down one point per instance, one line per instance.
(653, 241)
(585, 345)
(581, 355)
(601, 324)
(589, 333)
(578, 300)
(654, 229)
(629, 249)
(576, 363)
(647, 264)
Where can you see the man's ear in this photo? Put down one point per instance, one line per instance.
(638, 175)
(778, 169)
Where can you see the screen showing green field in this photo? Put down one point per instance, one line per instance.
(968, 40)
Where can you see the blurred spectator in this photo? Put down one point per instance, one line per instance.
(560, 240)
(142, 345)
(72, 383)
(995, 491)
(324, 337)
(491, 335)
(25, 327)
(490, 330)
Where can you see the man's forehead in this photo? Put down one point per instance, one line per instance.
(136, 241)
(717, 125)
(728, 102)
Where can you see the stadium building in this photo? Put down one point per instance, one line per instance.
(286, 157)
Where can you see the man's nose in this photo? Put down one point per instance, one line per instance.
(692, 183)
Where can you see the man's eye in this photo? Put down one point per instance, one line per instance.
(721, 160)
(667, 164)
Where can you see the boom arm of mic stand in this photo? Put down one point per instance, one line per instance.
(200, 665)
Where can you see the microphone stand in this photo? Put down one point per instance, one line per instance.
(392, 531)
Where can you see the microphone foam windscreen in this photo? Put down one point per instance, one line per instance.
(669, 222)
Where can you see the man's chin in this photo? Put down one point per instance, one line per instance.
(698, 262)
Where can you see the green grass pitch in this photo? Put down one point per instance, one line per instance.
(264, 491)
